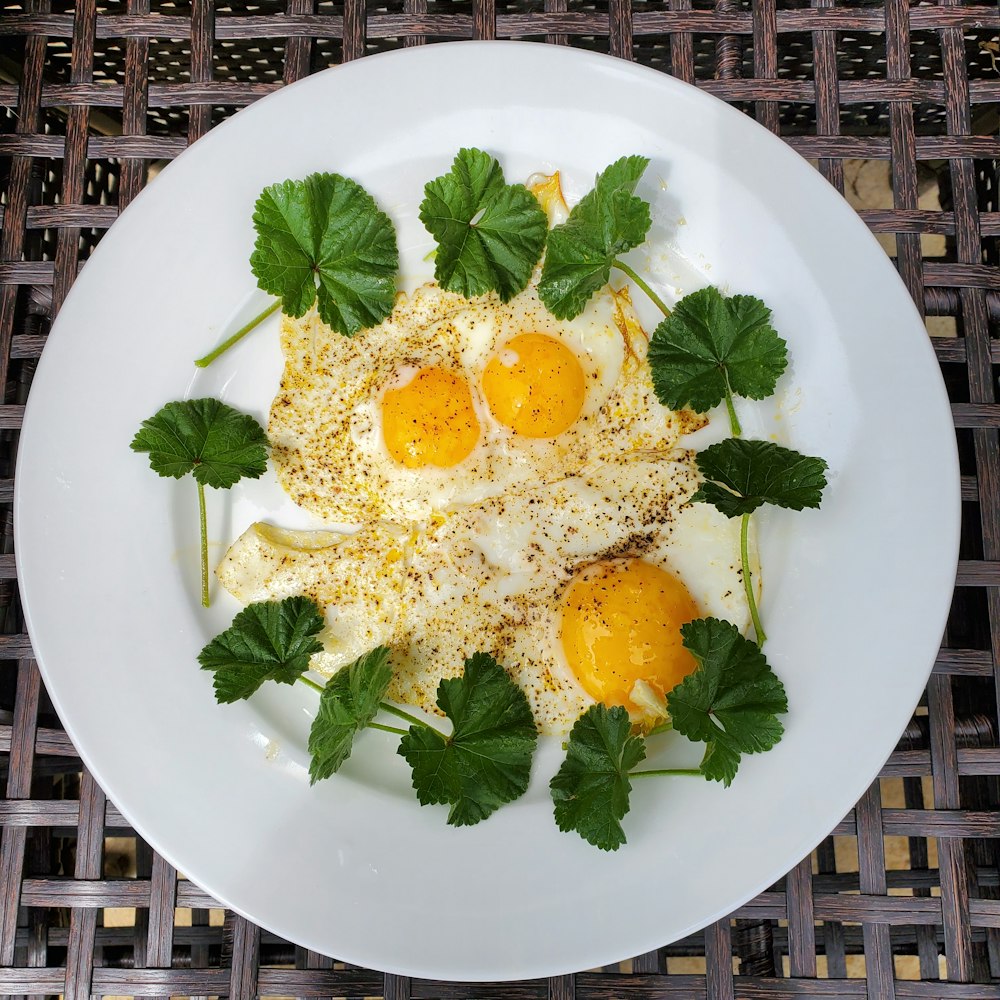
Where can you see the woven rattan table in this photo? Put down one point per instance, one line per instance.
(903, 898)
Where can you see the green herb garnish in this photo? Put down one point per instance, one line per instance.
(731, 702)
(743, 475)
(267, 641)
(218, 445)
(591, 789)
(323, 241)
(483, 764)
(489, 233)
(607, 222)
(348, 703)
(486, 761)
(711, 348)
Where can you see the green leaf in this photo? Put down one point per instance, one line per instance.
(710, 342)
(267, 641)
(324, 239)
(350, 700)
(489, 233)
(742, 475)
(608, 221)
(591, 788)
(730, 702)
(486, 761)
(216, 443)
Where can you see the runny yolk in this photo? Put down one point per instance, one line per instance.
(534, 386)
(621, 623)
(430, 420)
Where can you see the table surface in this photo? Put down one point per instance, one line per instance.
(903, 898)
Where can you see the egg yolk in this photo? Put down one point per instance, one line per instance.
(534, 386)
(430, 420)
(621, 623)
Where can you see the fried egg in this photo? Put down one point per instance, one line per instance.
(494, 480)
(577, 587)
(451, 401)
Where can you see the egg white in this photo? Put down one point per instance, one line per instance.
(358, 579)
(325, 422)
(490, 576)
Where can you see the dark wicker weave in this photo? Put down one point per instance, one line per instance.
(97, 95)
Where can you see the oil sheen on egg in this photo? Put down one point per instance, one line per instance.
(451, 401)
(612, 560)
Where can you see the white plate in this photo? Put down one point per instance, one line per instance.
(856, 594)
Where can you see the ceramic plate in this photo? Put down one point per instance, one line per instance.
(855, 594)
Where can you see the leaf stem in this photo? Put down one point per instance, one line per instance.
(204, 545)
(661, 305)
(734, 421)
(663, 727)
(399, 713)
(238, 336)
(665, 770)
(748, 581)
(385, 706)
(386, 729)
